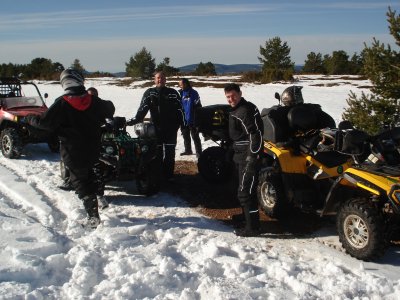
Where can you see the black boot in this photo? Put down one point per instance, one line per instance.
(238, 220)
(66, 185)
(252, 220)
(92, 209)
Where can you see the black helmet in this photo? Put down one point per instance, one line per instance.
(292, 95)
(71, 78)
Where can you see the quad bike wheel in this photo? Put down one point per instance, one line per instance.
(11, 144)
(213, 165)
(361, 229)
(148, 180)
(271, 194)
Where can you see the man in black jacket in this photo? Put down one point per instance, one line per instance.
(76, 117)
(167, 115)
(245, 130)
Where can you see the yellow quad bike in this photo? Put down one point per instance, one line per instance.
(368, 219)
(327, 171)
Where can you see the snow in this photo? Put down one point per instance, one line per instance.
(159, 247)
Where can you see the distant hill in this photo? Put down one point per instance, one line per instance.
(221, 69)
(119, 74)
(229, 69)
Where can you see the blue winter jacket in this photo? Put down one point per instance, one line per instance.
(190, 101)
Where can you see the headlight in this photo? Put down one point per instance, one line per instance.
(109, 150)
(394, 193)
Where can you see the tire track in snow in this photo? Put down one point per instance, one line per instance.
(33, 185)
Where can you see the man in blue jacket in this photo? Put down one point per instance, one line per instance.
(190, 102)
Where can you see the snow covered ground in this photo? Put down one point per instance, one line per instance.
(158, 247)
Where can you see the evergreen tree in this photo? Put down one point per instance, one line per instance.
(207, 69)
(313, 64)
(11, 70)
(356, 64)
(76, 65)
(337, 64)
(275, 57)
(142, 65)
(42, 68)
(382, 67)
(166, 68)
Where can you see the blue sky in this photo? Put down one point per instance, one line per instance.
(105, 34)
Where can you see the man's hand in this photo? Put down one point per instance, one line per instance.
(32, 120)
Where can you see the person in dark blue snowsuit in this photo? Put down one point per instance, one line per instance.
(190, 102)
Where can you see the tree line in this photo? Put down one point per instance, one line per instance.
(275, 59)
(43, 69)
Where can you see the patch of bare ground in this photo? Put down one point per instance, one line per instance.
(337, 77)
(219, 201)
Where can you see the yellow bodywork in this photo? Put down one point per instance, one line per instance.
(301, 164)
(371, 182)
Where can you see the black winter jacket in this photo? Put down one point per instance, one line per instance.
(246, 128)
(165, 109)
(77, 120)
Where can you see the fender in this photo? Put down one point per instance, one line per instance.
(289, 163)
(303, 164)
(374, 184)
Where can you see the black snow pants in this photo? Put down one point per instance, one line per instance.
(166, 146)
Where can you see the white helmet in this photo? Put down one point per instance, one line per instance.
(71, 78)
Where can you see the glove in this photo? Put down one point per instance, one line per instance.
(32, 120)
(131, 122)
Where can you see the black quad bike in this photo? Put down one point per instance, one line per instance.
(17, 100)
(123, 157)
(215, 163)
(332, 171)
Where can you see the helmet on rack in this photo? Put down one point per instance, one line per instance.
(292, 96)
(71, 78)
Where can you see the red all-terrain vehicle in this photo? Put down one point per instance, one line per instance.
(17, 100)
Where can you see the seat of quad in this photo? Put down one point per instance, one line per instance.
(282, 122)
(305, 117)
(331, 159)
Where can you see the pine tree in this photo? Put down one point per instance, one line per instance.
(277, 64)
(76, 65)
(337, 64)
(356, 64)
(42, 68)
(142, 65)
(166, 68)
(313, 64)
(207, 69)
(382, 67)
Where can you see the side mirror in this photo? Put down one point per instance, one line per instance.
(46, 95)
(277, 96)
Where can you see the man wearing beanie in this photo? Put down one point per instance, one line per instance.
(76, 117)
